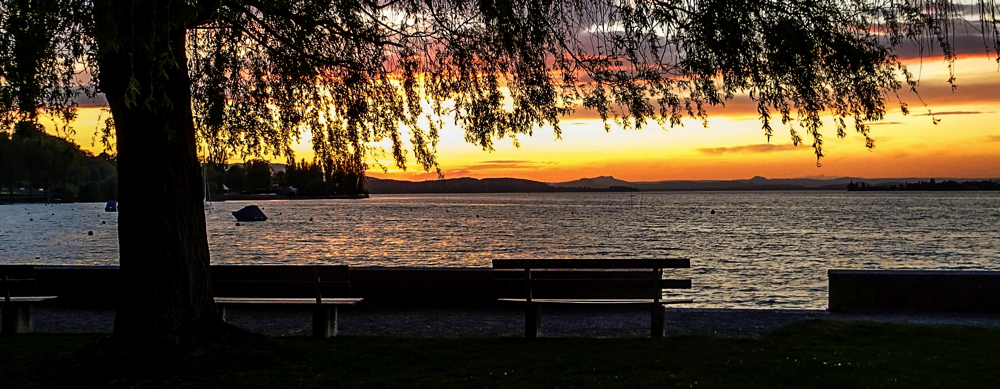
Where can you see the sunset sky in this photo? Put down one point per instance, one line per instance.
(963, 145)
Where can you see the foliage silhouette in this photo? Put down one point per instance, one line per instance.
(33, 160)
(248, 77)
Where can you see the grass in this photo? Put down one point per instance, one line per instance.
(817, 354)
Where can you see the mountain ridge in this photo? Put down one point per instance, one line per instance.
(609, 183)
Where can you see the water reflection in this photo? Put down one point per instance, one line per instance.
(769, 249)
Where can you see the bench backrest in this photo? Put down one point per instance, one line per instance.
(586, 278)
(281, 281)
(17, 280)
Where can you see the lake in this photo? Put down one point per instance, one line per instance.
(758, 250)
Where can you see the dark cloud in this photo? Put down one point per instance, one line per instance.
(747, 149)
(964, 44)
(98, 101)
(993, 138)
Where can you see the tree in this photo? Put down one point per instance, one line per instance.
(258, 175)
(236, 178)
(249, 76)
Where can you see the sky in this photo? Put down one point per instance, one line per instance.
(964, 144)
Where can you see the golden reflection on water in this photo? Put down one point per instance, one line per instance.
(760, 249)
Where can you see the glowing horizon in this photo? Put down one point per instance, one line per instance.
(963, 145)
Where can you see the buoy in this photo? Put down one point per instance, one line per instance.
(31, 220)
(477, 215)
(103, 222)
(53, 214)
(90, 233)
(310, 219)
(713, 212)
(237, 223)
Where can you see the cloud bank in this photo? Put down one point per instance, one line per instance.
(762, 148)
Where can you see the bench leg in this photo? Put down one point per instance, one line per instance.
(17, 318)
(656, 321)
(533, 320)
(324, 321)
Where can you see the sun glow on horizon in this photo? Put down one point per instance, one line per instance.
(733, 146)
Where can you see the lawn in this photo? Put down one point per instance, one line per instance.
(817, 354)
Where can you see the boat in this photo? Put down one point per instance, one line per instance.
(250, 213)
(111, 206)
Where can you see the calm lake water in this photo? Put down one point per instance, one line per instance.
(759, 249)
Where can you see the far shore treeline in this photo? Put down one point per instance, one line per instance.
(37, 167)
(947, 185)
(258, 177)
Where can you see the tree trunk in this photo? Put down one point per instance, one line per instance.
(166, 296)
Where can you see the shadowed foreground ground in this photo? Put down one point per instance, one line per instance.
(503, 321)
(818, 353)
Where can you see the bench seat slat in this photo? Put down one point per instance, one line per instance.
(602, 301)
(267, 288)
(514, 274)
(595, 283)
(29, 299)
(284, 301)
(588, 289)
(597, 263)
(279, 272)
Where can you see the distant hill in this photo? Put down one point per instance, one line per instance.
(596, 182)
(457, 185)
(756, 183)
(602, 183)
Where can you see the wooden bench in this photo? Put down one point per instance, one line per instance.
(286, 286)
(587, 281)
(19, 289)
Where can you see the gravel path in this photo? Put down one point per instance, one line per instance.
(504, 321)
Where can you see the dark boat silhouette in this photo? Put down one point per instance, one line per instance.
(250, 213)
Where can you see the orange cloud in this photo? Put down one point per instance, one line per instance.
(884, 123)
(492, 168)
(955, 113)
(748, 149)
(507, 164)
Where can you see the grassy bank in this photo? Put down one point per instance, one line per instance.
(812, 354)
